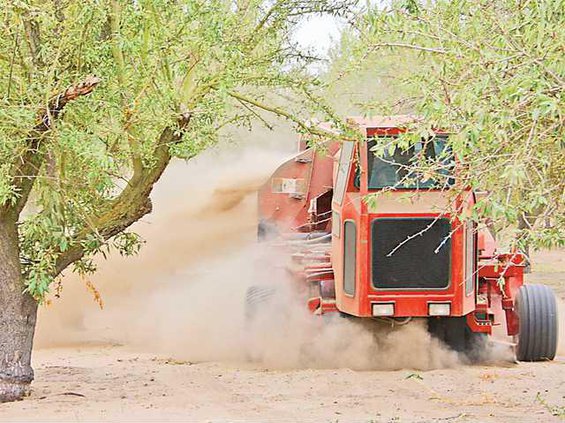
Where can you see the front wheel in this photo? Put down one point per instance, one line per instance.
(456, 334)
(537, 313)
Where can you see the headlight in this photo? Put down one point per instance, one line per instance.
(439, 309)
(383, 309)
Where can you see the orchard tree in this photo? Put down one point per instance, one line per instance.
(96, 98)
(491, 73)
(358, 78)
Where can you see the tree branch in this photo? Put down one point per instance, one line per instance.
(133, 203)
(33, 39)
(416, 47)
(314, 130)
(25, 168)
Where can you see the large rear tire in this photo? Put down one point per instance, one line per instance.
(538, 325)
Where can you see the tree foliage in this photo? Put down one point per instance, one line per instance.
(97, 96)
(493, 75)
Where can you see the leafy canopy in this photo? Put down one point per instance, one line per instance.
(492, 73)
(170, 74)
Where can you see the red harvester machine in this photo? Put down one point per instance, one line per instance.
(402, 256)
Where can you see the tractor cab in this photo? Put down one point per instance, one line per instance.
(402, 254)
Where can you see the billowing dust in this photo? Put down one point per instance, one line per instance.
(183, 295)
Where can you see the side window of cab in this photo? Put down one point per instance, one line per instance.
(344, 165)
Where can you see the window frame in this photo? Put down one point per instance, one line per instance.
(351, 255)
(439, 187)
(343, 169)
(471, 254)
(336, 224)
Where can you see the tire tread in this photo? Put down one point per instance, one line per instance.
(537, 310)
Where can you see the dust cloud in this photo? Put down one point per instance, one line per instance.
(183, 295)
(204, 217)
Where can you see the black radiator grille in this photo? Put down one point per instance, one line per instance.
(415, 265)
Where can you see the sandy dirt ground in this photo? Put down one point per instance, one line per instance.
(113, 384)
(167, 345)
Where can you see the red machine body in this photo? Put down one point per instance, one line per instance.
(404, 255)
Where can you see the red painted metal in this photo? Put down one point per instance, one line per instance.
(297, 208)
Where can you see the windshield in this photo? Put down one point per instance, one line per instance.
(398, 168)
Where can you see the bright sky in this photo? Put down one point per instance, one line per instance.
(318, 33)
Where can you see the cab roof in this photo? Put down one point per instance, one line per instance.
(393, 121)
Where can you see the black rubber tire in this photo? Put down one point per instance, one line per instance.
(538, 323)
(456, 334)
(256, 298)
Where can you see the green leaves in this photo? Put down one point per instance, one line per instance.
(493, 75)
(159, 62)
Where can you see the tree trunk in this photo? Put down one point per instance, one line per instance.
(18, 312)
